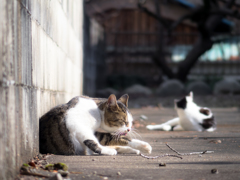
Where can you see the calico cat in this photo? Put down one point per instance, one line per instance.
(70, 129)
(190, 117)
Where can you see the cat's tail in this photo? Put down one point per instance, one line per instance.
(167, 126)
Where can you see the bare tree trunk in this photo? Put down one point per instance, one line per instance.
(160, 61)
(159, 57)
(202, 45)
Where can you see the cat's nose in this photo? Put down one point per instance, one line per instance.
(128, 129)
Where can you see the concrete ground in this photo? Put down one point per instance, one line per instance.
(225, 142)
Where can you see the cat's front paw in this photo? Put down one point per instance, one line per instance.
(136, 152)
(146, 148)
(108, 151)
(141, 145)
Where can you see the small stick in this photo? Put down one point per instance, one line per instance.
(164, 155)
(188, 154)
(177, 156)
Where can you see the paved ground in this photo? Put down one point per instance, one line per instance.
(225, 142)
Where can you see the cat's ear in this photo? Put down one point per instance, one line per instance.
(112, 102)
(191, 95)
(124, 99)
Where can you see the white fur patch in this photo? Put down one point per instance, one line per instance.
(130, 120)
(82, 121)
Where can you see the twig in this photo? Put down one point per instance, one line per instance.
(178, 154)
(188, 154)
(164, 155)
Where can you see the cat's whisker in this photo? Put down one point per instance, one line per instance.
(114, 136)
(118, 134)
(134, 135)
(137, 134)
(118, 131)
(135, 129)
(130, 135)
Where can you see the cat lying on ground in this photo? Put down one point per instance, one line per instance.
(190, 117)
(70, 129)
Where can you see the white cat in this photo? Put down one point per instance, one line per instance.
(191, 117)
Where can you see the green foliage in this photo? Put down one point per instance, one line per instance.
(56, 166)
(25, 165)
(49, 167)
(62, 166)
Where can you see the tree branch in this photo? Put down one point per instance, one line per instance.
(162, 64)
(159, 18)
(202, 45)
(230, 3)
(226, 12)
(177, 22)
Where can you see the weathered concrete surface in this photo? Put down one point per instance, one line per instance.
(225, 158)
(40, 67)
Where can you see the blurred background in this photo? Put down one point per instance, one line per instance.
(162, 48)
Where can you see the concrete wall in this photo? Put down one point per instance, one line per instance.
(40, 67)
